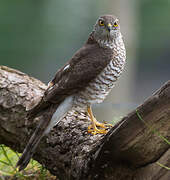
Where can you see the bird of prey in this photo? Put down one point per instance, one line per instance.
(85, 79)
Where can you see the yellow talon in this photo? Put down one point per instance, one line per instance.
(95, 130)
(102, 125)
(92, 128)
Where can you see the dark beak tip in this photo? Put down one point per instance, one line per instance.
(109, 29)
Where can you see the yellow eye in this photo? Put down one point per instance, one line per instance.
(101, 23)
(115, 24)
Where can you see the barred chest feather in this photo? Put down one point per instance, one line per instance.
(99, 88)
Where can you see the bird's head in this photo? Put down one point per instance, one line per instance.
(107, 28)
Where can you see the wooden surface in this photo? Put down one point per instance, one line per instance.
(130, 150)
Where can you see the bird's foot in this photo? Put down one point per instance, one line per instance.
(103, 125)
(103, 128)
(93, 127)
(95, 130)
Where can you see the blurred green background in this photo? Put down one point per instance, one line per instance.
(38, 37)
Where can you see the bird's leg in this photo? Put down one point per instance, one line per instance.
(93, 127)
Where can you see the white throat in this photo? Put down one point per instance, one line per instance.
(111, 43)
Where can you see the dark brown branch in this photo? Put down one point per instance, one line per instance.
(129, 151)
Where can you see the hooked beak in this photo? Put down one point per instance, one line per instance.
(109, 27)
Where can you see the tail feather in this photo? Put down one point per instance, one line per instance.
(50, 116)
(38, 109)
(34, 141)
(27, 154)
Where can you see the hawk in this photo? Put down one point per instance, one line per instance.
(86, 79)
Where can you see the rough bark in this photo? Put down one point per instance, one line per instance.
(130, 150)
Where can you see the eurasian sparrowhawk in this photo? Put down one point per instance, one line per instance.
(86, 79)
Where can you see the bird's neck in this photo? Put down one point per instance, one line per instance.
(110, 43)
(107, 42)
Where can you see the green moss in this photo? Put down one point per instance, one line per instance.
(8, 160)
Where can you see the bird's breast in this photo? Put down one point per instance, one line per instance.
(99, 88)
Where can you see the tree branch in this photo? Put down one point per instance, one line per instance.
(130, 150)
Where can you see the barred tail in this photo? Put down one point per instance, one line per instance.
(50, 118)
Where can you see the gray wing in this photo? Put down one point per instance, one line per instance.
(83, 67)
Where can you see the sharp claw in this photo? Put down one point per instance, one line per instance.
(93, 127)
(108, 125)
(103, 125)
(97, 131)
